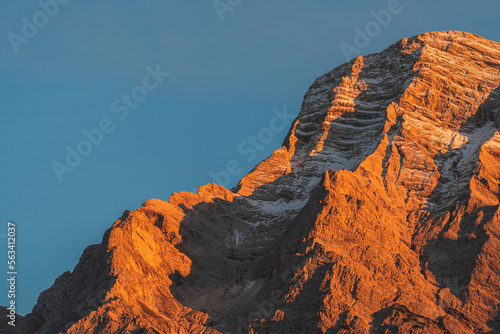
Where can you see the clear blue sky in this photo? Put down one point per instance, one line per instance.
(225, 78)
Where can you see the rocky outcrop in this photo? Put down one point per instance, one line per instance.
(10, 321)
(378, 215)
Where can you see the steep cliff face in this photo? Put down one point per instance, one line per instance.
(379, 214)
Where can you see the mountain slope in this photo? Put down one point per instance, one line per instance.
(378, 214)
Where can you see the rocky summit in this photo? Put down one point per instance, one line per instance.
(379, 214)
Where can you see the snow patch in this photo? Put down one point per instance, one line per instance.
(238, 238)
(249, 285)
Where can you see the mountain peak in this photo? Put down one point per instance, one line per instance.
(379, 213)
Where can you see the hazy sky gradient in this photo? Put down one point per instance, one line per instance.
(225, 79)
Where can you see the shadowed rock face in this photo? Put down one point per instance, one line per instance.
(379, 214)
(7, 317)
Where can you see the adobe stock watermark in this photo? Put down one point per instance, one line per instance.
(223, 6)
(252, 145)
(121, 107)
(30, 28)
(11, 272)
(363, 36)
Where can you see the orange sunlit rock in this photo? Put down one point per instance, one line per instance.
(379, 214)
